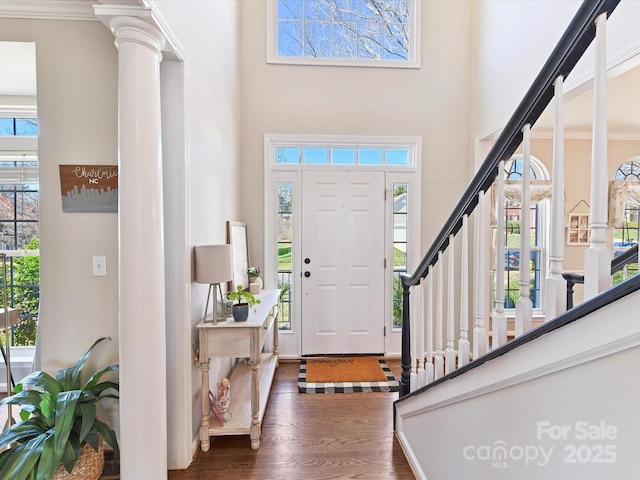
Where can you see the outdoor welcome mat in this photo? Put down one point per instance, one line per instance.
(345, 375)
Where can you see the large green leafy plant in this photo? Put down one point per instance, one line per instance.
(58, 416)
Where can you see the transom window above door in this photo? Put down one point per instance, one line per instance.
(357, 154)
(380, 33)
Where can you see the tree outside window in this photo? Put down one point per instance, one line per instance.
(373, 31)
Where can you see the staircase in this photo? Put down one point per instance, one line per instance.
(543, 393)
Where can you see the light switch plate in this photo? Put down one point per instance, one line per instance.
(99, 266)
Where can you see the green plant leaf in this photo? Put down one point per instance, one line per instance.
(88, 415)
(41, 382)
(109, 437)
(77, 370)
(20, 432)
(22, 460)
(95, 378)
(104, 386)
(48, 460)
(93, 439)
(65, 415)
(48, 409)
(65, 377)
(71, 454)
(28, 397)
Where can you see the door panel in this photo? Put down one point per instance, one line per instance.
(343, 239)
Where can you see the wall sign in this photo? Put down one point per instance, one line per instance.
(89, 188)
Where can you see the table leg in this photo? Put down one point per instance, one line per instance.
(254, 431)
(206, 409)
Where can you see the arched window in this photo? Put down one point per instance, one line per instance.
(537, 233)
(626, 234)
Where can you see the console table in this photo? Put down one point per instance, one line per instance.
(251, 379)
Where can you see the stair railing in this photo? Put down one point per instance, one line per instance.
(571, 47)
(619, 263)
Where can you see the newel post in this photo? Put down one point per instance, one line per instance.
(405, 379)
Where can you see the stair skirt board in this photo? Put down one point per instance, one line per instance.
(599, 338)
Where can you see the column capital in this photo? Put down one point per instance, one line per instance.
(133, 29)
(132, 24)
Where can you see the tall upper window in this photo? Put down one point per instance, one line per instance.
(380, 33)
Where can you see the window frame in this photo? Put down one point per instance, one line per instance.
(19, 148)
(629, 205)
(413, 60)
(543, 217)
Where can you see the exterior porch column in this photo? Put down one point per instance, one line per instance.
(143, 390)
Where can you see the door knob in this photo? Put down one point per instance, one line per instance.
(307, 261)
(307, 274)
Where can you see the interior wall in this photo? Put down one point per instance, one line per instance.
(503, 74)
(77, 102)
(207, 33)
(431, 102)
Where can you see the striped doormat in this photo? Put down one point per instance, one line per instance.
(386, 383)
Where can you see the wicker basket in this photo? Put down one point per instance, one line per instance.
(89, 466)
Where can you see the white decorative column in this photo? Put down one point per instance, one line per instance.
(597, 258)
(143, 389)
(556, 285)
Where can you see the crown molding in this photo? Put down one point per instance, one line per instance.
(56, 9)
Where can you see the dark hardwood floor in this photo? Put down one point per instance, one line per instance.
(310, 436)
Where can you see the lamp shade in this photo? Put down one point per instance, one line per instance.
(213, 264)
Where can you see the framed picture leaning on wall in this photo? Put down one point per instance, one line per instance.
(237, 237)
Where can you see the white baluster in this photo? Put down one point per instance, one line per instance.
(555, 285)
(439, 359)
(463, 341)
(429, 368)
(450, 354)
(480, 337)
(597, 258)
(499, 320)
(415, 322)
(524, 308)
(420, 333)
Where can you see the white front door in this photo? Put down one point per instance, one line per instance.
(343, 298)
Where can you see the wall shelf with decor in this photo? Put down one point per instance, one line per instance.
(578, 225)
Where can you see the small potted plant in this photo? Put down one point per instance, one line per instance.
(59, 431)
(244, 300)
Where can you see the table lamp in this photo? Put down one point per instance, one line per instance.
(213, 266)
